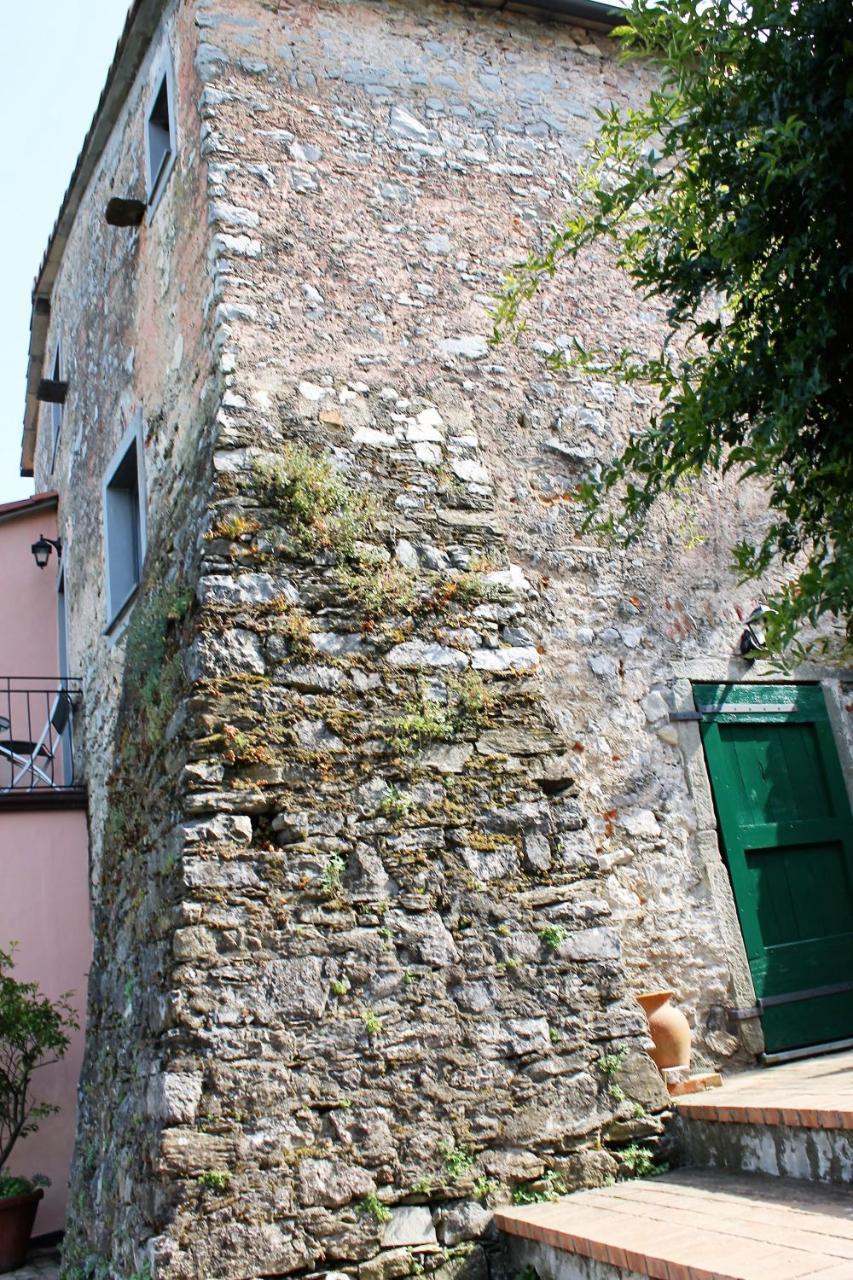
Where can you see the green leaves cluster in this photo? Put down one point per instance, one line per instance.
(34, 1032)
(316, 505)
(727, 197)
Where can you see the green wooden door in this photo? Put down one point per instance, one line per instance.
(787, 837)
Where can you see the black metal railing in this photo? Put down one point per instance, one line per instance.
(36, 732)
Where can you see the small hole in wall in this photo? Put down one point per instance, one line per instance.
(554, 787)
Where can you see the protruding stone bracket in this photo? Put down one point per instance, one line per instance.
(52, 391)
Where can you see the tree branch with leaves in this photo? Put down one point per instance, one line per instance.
(727, 197)
(34, 1032)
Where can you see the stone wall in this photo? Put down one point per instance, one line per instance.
(135, 310)
(381, 164)
(388, 816)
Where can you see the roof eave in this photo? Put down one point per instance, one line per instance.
(140, 25)
(28, 506)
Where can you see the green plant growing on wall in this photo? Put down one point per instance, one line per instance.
(639, 1161)
(330, 880)
(34, 1032)
(379, 589)
(372, 1021)
(314, 502)
(484, 1187)
(372, 1205)
(215, 1179)
(470, 699)
(295, 627)
(424, 721)
(151, 677)
(553, 936)
(546, 1188)
(609, 1066)
(141, 1273)
(458, 1160)
(395, 804)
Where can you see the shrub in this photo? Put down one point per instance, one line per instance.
(34, 1032)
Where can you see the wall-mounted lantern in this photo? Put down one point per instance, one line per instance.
(753, 640)
(41, 550)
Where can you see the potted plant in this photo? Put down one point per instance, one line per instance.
(33, 1033)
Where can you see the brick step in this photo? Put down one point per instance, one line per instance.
(794, 1121)
(693, 1224)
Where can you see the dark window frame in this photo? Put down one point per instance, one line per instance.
(125, 526)
(56, 407)
(161, 140)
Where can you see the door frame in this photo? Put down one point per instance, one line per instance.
(708, 842)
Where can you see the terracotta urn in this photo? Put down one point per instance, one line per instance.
(669, 1029)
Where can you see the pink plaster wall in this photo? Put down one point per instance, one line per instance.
(27, 597)
(44, 881)
(44, 906)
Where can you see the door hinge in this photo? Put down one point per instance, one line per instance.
(736, 1016)
(747, 708)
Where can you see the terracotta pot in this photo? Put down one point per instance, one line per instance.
(17, 1215)
(669, 1029)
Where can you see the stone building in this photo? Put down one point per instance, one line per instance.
(389, 813)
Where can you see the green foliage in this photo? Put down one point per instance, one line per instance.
(553, 936)
(373, 1205)
(484, 1187)
(471, 701)
(639, 1161)
(425, 720)
(609, 1065)
(151, 677)
(457, 1160)
(330, 881)
(340, 986)
(379, 588)
(295, 626)
(215, 1179)
(395, 804)
(727, 197)
(319, 509)
(544, 1189)
(34, 1032)
(13, 1185)
(372, 1021)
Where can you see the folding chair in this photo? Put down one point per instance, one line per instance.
(45, 749)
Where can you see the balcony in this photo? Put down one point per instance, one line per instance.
(37, 742)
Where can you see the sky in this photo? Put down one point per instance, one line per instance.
(57, 53)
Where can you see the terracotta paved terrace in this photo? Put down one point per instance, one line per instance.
(816, 1093)
(717, 1224)
(698, 1224)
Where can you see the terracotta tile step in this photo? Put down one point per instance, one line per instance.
(766, 1110)
(700, 1225)
(815, 1093)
